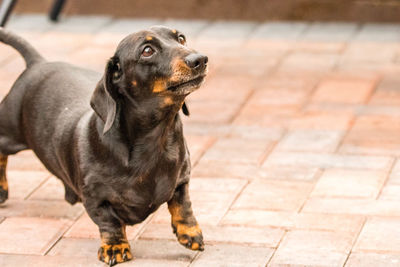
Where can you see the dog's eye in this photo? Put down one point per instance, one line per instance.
(147, 51)
(181, 39)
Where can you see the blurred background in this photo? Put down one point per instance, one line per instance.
(294, 137)
(259, 10)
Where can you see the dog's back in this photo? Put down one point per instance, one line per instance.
(44, 105)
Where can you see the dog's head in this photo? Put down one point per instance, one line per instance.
(153, 68)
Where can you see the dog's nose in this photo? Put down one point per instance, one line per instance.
(196, 61)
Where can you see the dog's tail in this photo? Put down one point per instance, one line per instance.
(28, 52)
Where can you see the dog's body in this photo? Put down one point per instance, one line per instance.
(127, 155)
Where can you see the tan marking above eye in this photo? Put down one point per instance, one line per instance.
(149, 38)
(134, 83)
(174, 31)
(159, 86)
(167, 101)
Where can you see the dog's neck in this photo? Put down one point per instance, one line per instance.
(149, 128)
(143, 129)
(150, 120)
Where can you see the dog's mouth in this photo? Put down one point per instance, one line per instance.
(187, 87)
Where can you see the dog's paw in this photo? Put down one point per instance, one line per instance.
(113, 254)
(189, 236)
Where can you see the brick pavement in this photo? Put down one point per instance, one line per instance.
(295, 142)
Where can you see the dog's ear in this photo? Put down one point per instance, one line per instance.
(185, 109)
(105, 97)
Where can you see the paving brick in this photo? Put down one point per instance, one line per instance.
(362, 64)
(361, 52)
(253, 67)
(235, 32)
(293, 220)
(254, 132)
(349, 183)
(324, 160)
(373, 135)
(15, 65)
(106, 39)
(329, 32)
(39, 208)
(291, 173)
(273, 195)
(218, 100)
(87, 24)
(276, 101)
(261, 117)
(216, 234)
(23, 183)
(27, 235)
(161, 250)
(322, 121)
(7, 53)
(276, 47)
(76, 247)
(313, 248)
(394, 177)
(52, 189)
(280, 97)
(390, 192)
(379, 110)
(208, 207)
(9, 260)
(319, 47)
(378, 33)
(156, 263)
(230, 255)
(57, 45)
(387, 92)
(84, 227)
(128, 26)
(353, 206)
(215, 112)
(386, 98)
(142, 250)
(358, 109)
(347, 91)
(310, 140)
(298, 80)
(191, 28)
(369, 240)
(372, 260)
(197, 146)
(238, 151)
(25, 161)
(224, 169)
(91, 57)
(30, 22)
(279, 30)
(315, 62)
(225, 185)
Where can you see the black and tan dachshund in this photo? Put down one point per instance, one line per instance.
(116, 140)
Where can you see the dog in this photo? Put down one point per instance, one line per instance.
(114, 140)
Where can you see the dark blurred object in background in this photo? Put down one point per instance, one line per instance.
(7, 6)
(261, 10)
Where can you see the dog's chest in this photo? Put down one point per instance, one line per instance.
(138, 200)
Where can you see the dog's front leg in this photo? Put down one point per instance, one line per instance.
(183, 221)
(114, 247)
